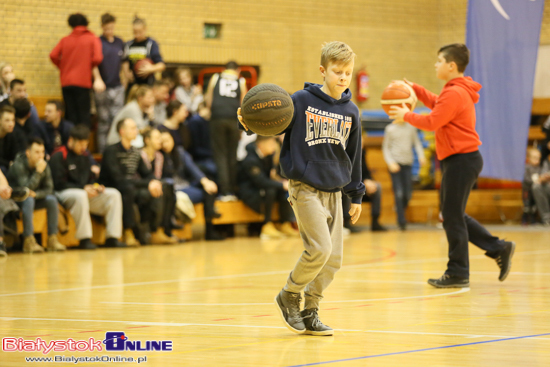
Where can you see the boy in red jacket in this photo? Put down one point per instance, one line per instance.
(75, 56)
(453, 119)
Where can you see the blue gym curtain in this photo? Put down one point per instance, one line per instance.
(503, 38)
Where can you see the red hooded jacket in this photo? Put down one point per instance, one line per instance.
(453, 116)
(76, 55)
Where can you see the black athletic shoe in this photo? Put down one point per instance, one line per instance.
(449, 281)
(288, 305)
(214, 236)
(86, 244)
(314, 326)
(377, 227)
(113, 242)
(504, 260)
(3, 251)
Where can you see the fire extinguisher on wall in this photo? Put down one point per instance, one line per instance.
(362, 85)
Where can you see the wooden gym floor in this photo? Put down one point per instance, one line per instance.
(214, 301)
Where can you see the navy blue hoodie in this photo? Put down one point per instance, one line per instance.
(322, 145)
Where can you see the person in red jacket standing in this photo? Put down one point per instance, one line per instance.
(76, 55)
(453, 118)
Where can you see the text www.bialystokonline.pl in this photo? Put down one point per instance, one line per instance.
(76, 360)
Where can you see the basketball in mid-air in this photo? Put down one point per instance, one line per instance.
(138, 65)
(267, 109)
(397, 93)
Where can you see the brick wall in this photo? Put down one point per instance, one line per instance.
(393, 39)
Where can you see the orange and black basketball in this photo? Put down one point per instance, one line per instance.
(267, 109)
(397, 93)
(141, 63)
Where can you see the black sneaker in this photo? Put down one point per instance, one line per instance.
(214, 236)
(504, 260)
(449, 281)
(377, 227)
(113, 242)
(314, 326)
(86, 244)
(3, 251)
(288, 305)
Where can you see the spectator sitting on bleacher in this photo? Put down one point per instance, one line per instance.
(6, 205)
(11, 142)
(259, 191)
(540, 184)
(77, 190)
(546, 143)
(6, 76)
(532, 174)
(373, 194)
(108, 88)
(54, 130)
(31, 171)
(23, 123)
(187, 93)
(161, 91)
(198, 127)
(124, 169)
(19, 90)
(188, 178)
(138, 109)
(176, 113)
(76, 55)
(154, 160)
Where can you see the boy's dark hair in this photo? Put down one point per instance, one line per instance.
(34, 140)
(22, 107)
(232, 65)
(457, 53)
(58, 105)
(172, 107)
(77, 19)
(107, 18)
(6, 109)
(16, 81)
(80, 132)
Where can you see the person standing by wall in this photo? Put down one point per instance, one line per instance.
(75, 56)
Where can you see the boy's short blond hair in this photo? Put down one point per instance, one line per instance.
(336, 52)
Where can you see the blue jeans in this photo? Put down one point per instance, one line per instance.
(402, 191)
(30, 204)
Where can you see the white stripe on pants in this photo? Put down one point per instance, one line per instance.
(320, 221)
(107, 204)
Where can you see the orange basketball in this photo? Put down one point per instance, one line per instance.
(138, 65)
(397, 93)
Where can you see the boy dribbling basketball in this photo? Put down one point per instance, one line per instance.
(321, 155)
(453, 119)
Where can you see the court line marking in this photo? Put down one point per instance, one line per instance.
(179, 324)
(463, 290)
(418, 350)
(230, 276)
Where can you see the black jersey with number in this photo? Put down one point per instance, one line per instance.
(227, 97)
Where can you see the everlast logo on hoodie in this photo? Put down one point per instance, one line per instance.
(324, 127)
